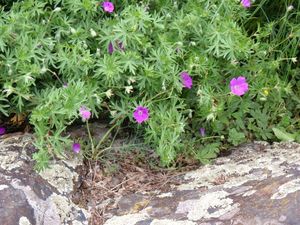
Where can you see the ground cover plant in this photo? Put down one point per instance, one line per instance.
(192, 77)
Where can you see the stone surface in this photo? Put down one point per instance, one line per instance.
(31, 198)
(258, 184)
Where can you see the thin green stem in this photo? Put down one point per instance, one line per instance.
(55, 75)
(106, 135)
(149, 100)
(90, 137)
(110, 146)
(210, 137)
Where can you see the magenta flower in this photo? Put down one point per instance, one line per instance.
(141, 114)
(76, 148)
(187, 81)
(108, 6)
(239, 86)
(2, 130)
(202, 131)
(246, 3)
(85, 113)
(65, 85)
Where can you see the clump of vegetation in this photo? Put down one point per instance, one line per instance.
(192, 76)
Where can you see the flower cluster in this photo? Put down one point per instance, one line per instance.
(238, 86)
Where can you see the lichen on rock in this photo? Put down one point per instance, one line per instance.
(257, 184)
(28, 197)
(210, 205)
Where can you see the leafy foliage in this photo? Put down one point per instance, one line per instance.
(44, 44)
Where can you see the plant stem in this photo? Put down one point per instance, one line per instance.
(90, 137)
(105, 136)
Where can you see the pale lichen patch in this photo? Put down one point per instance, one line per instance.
(206, 176)
(62, 204)
(24, 221)
(287, 188)
(8, 161)
(164, 195)
(273, 162)
(282, 218)
(60, 177)
(210, 205)
(172, 222)
(248, 193)
(65, 208)
(126, 219)
(76, 222)
(2, 187)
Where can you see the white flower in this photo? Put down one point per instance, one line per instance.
(85, 46)
(93, 33)
(131, 80)
(294, 60)
(109, 93)
(44, 69)
(98, 51)
(113, 113)
(72, 30)
(128, 89)
(192, 43)
(179, 43)
(290, 8)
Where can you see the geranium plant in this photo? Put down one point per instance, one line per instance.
(195, 77)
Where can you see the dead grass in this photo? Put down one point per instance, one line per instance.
(120, 174)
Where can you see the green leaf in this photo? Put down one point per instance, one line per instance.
(208, 152)
(283, 135)
(236, 137)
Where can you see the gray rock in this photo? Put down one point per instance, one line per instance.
(257, 184)
(31, 198)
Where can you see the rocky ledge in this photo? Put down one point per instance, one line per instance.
(31, 198)
(258, 184)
